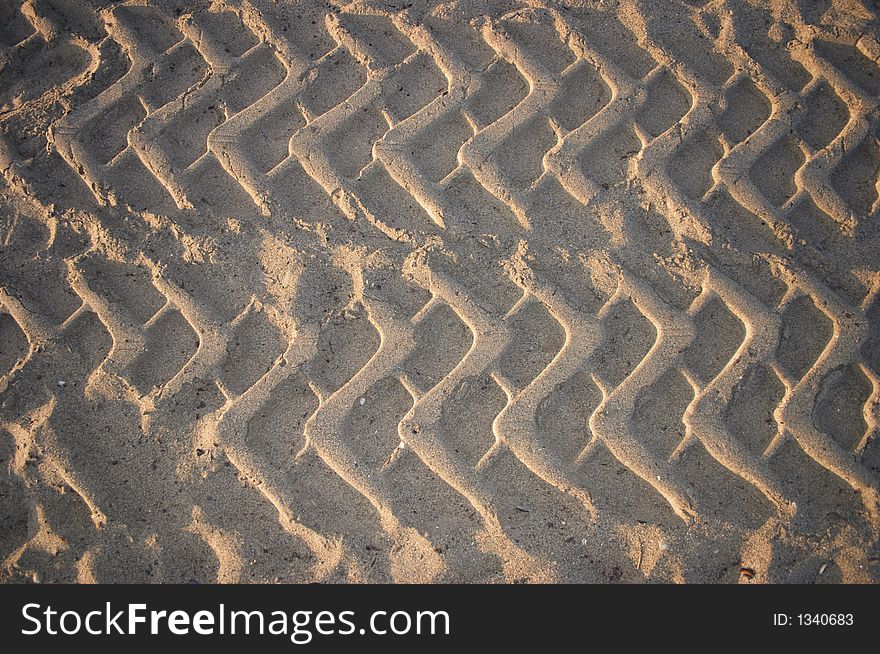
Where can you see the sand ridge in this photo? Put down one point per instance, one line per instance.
(465, 291)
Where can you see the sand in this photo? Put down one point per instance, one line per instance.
(578, 291)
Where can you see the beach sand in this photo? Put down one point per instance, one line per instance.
(577, 291)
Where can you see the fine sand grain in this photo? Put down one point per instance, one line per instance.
(575, 291)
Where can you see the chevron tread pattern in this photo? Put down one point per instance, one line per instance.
(352, 292)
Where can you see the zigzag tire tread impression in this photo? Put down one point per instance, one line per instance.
(515, 291)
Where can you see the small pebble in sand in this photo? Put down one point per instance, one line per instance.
(362, 401)
(61, 383)
(823, 568)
